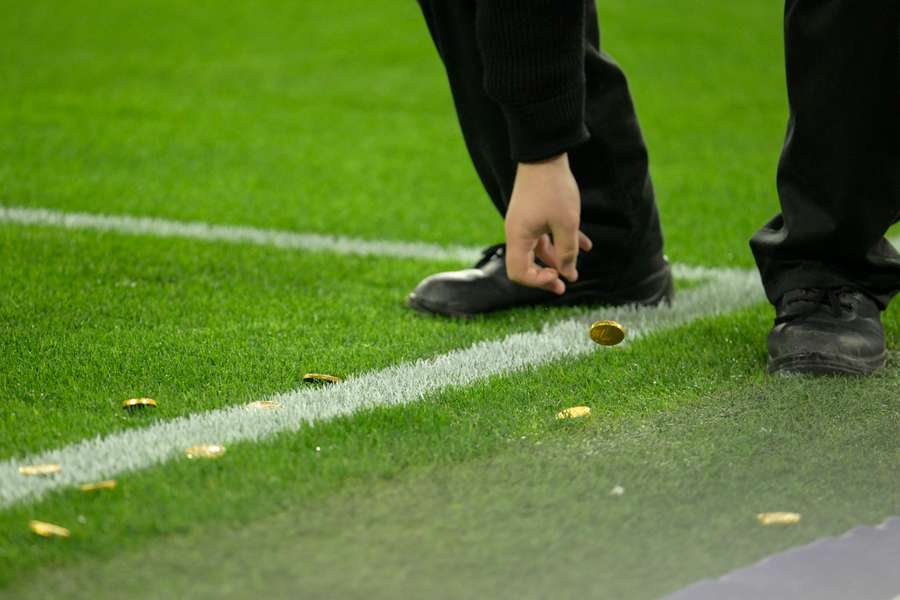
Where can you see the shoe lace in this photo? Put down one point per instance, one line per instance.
(488, 254)
(814, 298)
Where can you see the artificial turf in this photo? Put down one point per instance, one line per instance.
(335, 118)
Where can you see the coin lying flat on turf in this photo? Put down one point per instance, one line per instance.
(99, 485)
(778, 518)
(30, 470)
(607, 333)
(320, 378)
(265, 404)
(48, 529)
(205, 451)
(574, 413)
(139, 403)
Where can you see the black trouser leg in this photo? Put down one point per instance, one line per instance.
(618, 207)
(839, 174)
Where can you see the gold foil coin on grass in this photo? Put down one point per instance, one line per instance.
(607, 333)
(320, 378)
(139, 403)
(205, 451)
(265, 404)
(30, 470)
(99, 485)
(48, 529)
(576, 412)
(778, 518)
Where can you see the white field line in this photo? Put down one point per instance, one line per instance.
(233, 234)
(135, 449)
(314, 242)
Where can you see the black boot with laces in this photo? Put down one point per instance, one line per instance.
(486, 288)
(826, 332)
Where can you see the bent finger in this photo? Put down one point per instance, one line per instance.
(546, 252)
(519, 258)
(521, 269)
(565, 246)
(584, 242)
(547, 279)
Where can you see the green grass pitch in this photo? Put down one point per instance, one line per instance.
(334, 118)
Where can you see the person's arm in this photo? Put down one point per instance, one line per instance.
(533, 55)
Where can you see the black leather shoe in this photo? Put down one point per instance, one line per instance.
(826, 332)
(486, 288)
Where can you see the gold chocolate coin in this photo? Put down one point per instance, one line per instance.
(205, 451)
(48, 529)
(607, 333)
(99, 485)
(575, 412)
(265, 404)
(778, 518)
(139, 402)
(320, 378)
(30, 470)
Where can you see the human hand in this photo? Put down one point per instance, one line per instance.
(545, 205)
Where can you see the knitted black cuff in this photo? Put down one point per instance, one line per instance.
(545, 129)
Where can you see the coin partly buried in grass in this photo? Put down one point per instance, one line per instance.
(133, 403)
(320, 378)
(48, 529)
(778, 518)
(265, 404)
(108, 484)
(205, 451)
(31, 470)
(607, 333)
(576, 412)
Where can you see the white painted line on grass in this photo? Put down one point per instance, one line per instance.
(313, 242)
(135, 449)
(233, 234)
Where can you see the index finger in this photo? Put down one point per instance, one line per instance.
(565, 244)
(521, 268)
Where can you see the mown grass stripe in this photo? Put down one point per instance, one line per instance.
(106, 457)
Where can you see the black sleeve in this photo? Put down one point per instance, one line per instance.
(533, 54)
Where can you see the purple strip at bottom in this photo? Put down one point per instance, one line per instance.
(862, 564)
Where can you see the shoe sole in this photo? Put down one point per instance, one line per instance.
(814, 363)
(657, 289)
